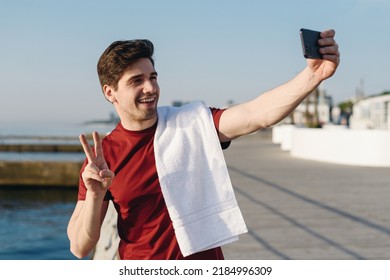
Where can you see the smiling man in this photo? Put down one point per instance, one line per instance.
(163, 167)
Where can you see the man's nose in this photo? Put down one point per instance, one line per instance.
(150, 87)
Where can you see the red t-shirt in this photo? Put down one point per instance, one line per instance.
(144, 225)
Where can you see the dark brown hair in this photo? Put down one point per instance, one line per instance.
(117, 58)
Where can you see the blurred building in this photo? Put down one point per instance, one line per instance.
(372, 112)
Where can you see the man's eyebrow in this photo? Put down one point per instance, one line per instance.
(141, 75)
(132, 77)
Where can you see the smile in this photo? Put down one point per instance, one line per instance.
(147, 100)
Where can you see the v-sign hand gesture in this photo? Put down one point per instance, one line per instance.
(96, 175)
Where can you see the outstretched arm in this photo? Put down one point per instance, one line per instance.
(272, 106)
(85, 224)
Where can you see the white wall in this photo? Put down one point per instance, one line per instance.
(342, 146)
(282, 134)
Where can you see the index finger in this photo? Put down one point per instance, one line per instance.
(87, 149)
(328, 33)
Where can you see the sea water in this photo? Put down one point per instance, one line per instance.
(33, 223)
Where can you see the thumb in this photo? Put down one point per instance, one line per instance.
(107, 176)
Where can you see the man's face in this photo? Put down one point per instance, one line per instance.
(137, 94)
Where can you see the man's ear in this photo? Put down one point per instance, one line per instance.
(109, 93)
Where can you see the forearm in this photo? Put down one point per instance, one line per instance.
(267, 109)
(85, 224)
(84, 229)
(273, 106)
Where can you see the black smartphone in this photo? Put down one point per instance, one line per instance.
(309, 40)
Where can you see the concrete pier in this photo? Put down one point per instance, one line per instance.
(39, 173)
(52, 148)
(304, 209)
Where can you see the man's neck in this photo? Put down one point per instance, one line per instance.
(138, 125)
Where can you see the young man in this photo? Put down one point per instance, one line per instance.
(135, 165)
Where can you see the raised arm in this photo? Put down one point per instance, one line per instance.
(274, 105)
(85, 224)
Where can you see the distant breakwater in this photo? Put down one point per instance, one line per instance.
(63, 148)
(40, 173)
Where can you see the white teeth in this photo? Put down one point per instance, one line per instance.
(146, 100)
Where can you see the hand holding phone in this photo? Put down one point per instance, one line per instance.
(309, 40)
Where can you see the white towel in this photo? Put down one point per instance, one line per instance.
(194, 179)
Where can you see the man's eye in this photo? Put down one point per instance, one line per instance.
(136, 81)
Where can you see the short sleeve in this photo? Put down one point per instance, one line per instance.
(217, 113)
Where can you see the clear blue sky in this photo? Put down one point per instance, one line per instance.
(206, 50)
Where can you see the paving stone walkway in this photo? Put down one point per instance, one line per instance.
(303, 210)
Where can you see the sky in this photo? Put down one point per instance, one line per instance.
(215, 51)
